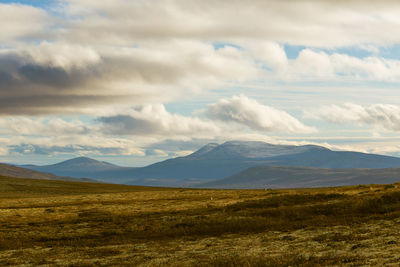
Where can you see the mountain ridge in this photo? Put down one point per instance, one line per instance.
(216, 161)
(7, 170)
(262, 177)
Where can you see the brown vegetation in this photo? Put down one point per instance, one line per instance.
(83, 224)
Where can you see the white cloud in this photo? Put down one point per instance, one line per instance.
(272, 53)
(3, 150)
(41, 126)
(156, 120)
(311, 65)
(245, 111)
(51, 136)
(370, 68)
(380, 116)
(59, 54)
(22, 22)
(325, 23)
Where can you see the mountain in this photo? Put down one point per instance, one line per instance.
(77, 164)
(250, 150)
(297, 177)
(217, 161)
(80, 167)
(7, 170)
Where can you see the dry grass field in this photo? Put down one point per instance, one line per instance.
(54, 223)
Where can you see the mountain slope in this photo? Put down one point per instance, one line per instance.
(7, 170)
(215, 161)
(294, 177)
(82, 167)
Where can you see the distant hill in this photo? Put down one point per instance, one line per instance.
(83, 167)
(18, 172)
(295, 177)
(76, 165)
(217, 161)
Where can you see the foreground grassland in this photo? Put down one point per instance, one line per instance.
(82, 224)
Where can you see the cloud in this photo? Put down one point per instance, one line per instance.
(248, 112)
(155, 120)
(33, 149)
(103, 57)
(21, 22)
(123, 53)
(89, 144)
(272, 53)
(41, 126)
(314, 65)
(370, 68)
(63, 55)
(380, 116)
(52, 136)
(315, 23)
(61, 77)
(3, 151)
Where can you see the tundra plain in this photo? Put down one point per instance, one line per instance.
(59, 223)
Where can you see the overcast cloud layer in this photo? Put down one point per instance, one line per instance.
(117, 77)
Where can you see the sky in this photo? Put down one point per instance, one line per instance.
(134, 82)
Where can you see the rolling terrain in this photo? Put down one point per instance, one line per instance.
(217, 161)
(58, 223)
(18, 172)
(82, 167)
(302, 177)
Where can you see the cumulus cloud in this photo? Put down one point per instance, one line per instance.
(314, 65)
(245, 111)
(155, 120)
(94, 57)
(380, 116)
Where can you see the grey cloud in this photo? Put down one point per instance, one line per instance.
(23, 74)
(50, 76)
(27, 88)
(127, 125)
(53, 104)
(65, 81)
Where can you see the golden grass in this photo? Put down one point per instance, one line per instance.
(82, 224)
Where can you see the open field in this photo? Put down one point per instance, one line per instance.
(83, 224)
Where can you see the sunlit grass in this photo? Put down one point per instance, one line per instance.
(65, 223)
